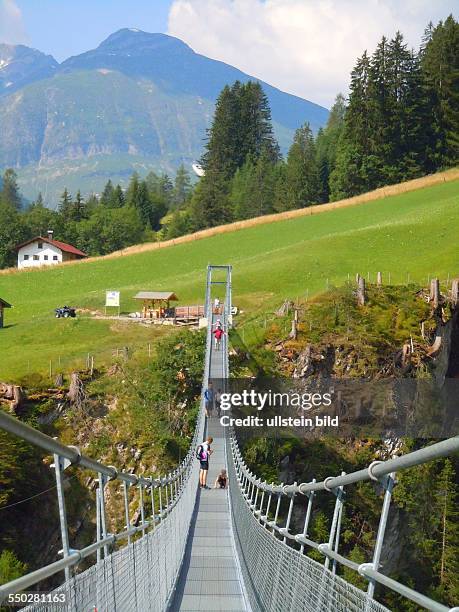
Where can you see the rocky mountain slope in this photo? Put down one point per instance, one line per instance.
(139, 101)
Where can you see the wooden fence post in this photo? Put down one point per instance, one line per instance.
(361, 291)
(379, 279)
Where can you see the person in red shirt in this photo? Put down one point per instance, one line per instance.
(218, 333)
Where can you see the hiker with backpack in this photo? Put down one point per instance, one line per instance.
(203, 453)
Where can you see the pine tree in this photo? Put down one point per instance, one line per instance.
(78, 210)
(257, 134)
(106, 199)
(182, 187)
(133, 190)
(241, 129)
(118, 198)
(447, 500)
(327, 145)
(349, 175)
(65, 205)
(143, 203)
(9, 194)
(440, 68)
(301, 172)
(223, 153)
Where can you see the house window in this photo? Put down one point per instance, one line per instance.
(55, 257)
(36, 258)
(45, 257)
(26, 257)
(40, 245)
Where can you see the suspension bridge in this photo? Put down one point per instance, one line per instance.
(199, 549)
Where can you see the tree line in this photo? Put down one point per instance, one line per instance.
(98, 224)
(400, 121)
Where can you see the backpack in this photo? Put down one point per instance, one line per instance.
(201, 453)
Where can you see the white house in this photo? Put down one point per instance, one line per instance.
(42, 251)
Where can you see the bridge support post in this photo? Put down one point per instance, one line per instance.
(142, 508)
(153, 516)
(388, 483)
(267, 509)
(279, 499)
(126, 508)
(160, 501)
(334, 533)
(59, 467)
(289, 515)
(103, 518)
(307, 518)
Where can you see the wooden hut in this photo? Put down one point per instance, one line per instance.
(155, 304)
(3, 305)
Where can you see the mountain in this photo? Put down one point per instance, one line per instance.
(139, 101)
(20, 65)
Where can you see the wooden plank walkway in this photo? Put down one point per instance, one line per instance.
(210, 579)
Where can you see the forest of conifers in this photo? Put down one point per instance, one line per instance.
(400, 121)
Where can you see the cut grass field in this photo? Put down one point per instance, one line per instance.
(413, 234)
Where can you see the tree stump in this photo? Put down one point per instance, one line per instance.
(455, 291)
(77, 393)
(435, 292)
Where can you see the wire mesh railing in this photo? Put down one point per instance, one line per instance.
(141, 575)
(292, 580)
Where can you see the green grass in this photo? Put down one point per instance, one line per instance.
(414, 233)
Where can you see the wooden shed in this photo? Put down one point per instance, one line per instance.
(3, 305)
(155, 304)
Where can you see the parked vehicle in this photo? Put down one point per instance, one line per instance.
(65, 312)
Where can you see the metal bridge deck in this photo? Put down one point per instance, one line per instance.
(210, 578)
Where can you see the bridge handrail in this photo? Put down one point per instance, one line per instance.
(382, 471)
(375, 471)
(172, 484)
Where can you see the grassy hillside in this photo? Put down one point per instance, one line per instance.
(414, 233)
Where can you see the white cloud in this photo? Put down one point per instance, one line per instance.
(12, 28)
(306, 47)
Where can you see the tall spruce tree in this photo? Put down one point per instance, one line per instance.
(9, 194)
(440, 68)
(348, 177)
(182, 187)
(327, 145)
(106, 199)
(241, 129)
(65, 205)
(301, 171)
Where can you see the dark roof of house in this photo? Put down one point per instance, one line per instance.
(156, 295)
(5, 304)
(63, 246)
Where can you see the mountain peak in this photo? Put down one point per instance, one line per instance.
(21, 65)
(127, 38)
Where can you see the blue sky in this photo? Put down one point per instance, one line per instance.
(64, 27)
(304, 47)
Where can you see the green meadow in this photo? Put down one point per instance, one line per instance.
(411, 236)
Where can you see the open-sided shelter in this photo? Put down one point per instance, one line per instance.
(155, 304)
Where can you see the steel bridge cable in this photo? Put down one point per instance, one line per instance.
(23, 501)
